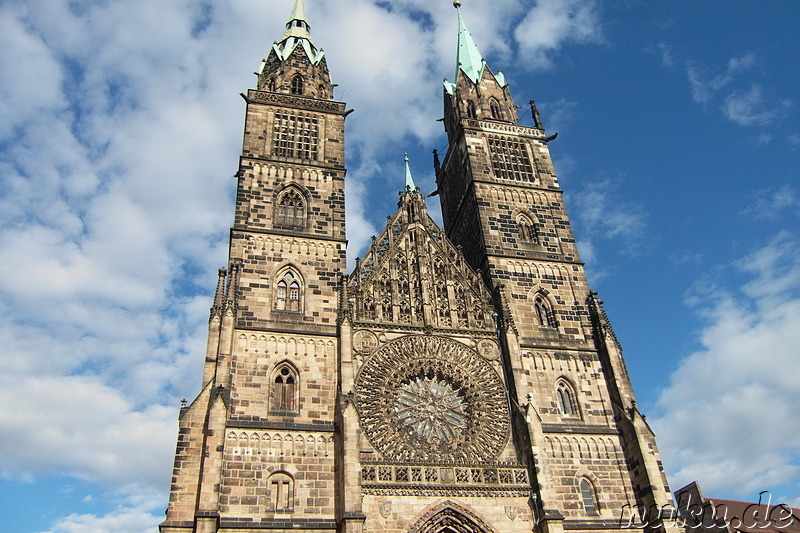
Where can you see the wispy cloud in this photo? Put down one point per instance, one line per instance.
(772, 204)
(748, 108)
(604, 213)
(737, 388)
(705, 88)
(552, 23)
(743, 106)
(667, 55)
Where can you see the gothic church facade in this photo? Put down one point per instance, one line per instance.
(459, 380)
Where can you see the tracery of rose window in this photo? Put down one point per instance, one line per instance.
(431, 409)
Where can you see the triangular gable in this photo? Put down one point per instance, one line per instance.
(413, 275)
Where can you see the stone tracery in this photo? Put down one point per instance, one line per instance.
(412, 275)
(431, 398)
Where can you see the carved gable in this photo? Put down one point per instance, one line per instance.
(413, 275)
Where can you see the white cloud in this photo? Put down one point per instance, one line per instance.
(552, 23)
(739, 388)
(134, 514)
(704, 90)
(745, 107)
(771, 204)
(748, 108)
(81, 427)
(603, 213)
(667, 56)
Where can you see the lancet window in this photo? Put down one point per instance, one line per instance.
(297, 84)
(544, 312)
(289, 292)
(566, 399)
(494, 108)
(291, 209)
(285, 388)
(471, 111)
(526, 230)
(588, 497)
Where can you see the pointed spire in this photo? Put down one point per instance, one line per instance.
(409, 180)
(298, 25)
(298, 33)
(469, 60)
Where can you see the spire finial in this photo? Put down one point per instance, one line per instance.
(457, 4)
(409, 180)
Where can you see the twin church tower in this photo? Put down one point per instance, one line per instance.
(459, 380)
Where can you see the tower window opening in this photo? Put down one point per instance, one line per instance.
(526, 230)
(295, 136)
(272, 85)
(297, 84)
(544, 313)
(494, 107)
(566, 402)
(289, 293)
(588, 497)
(284, 393)
(291, 211)
(510, 159)
(471, 112)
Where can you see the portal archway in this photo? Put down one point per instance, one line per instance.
(450, 517)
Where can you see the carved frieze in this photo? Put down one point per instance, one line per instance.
(295, 101)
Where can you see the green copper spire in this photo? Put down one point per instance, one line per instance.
(470, 61)
(409, 180)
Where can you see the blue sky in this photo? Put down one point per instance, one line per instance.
(120, 127)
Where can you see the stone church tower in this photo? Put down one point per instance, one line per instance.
(463, 380)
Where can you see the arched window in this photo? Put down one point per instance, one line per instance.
(494, 107)
(281, 492)
(297, 84)
(272, 85)
(566, 399)
(322, 91)
(588, 497)
(285, 388)
(291, 209)
(544, 312)
(526, 229)
(471, 112)
(289, 292)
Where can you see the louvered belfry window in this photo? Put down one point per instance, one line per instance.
(295, 136)
(510, 159)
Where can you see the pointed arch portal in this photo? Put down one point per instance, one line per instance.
(450, 517)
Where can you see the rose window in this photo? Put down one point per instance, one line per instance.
(431, 409)
(429, 398)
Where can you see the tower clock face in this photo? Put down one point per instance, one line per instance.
(427, 398)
